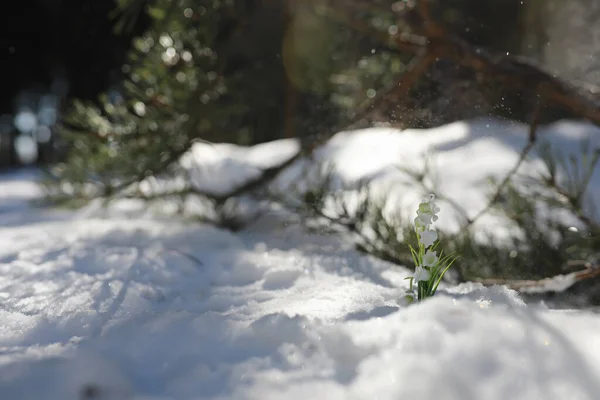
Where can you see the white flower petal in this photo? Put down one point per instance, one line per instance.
(421, 274)
(430, 258)
(421, 224)
(424, 219)
(425, 208)
(428, 206)
(428, 237)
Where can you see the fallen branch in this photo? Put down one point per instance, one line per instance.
(557, 283)
(514, 71)
(266, 175)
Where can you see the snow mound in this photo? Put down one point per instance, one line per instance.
(149, 309)
(459, 160)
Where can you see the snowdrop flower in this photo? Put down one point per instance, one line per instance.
(428, 237)
(431, 201)
(421, 274)
(430, 268)
(422, 221)
(409, 297)
(429, 207)
(430, 258)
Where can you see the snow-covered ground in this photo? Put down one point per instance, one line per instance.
(113, 306)
(459, 159)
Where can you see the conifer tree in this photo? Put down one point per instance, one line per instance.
(172, 95)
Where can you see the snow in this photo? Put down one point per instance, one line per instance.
(460, 158)
(217, 168)
(115, 306)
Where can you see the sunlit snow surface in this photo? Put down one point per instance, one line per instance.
(100, 306)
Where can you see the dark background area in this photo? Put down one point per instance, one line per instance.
(56, 50)
(43, 42)
(69, 48)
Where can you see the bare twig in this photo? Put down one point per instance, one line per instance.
(526, 150)
(431, 27)
(187, 255)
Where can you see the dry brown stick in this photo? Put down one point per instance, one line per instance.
(431, 27)
(547, 284)
(522, 74)
(512, 70)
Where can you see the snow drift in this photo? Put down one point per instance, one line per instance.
(111, 306)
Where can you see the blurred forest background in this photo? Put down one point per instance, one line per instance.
(250, 71)
(111, 94)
